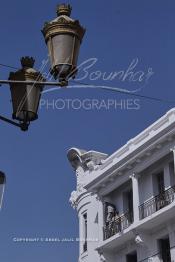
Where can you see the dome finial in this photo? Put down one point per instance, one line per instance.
(64, 9)
(27, 61)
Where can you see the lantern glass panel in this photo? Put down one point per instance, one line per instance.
(65, 53)
(25, 101)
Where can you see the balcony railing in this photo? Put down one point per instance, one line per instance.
(118, 225)
(157, 202)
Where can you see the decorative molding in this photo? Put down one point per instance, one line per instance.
(139, 241)
(99, 198)
(134, 176)
(87, 159)
(80, 188)
(63, 24)
(91, 165)
(103, 175)
(144, 136)
(73, 199)
(172, 149)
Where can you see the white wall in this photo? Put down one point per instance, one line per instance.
(145, 187)
(89, 204)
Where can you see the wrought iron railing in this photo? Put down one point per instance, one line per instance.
(157, 202)
(117, 225)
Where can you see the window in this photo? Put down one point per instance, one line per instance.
(85, 232)
(132, 257)
(128, 204)
(172, 177)
(160, 182)
(165, 249)
(160, 199)
(164, 245)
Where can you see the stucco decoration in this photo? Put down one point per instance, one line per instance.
(87, 159)
(73, 199)
(139, 240)
(82, 162)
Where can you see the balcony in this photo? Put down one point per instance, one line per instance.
(118, 225)
(156, 203)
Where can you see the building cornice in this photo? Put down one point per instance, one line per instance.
(135, 151)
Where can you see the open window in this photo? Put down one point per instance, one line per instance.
(165, 253)
(160, 182)
(128, 204)
(132, 257)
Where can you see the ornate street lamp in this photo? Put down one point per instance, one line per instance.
(26, 97)
(63, 37)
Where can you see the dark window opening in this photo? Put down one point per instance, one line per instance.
(132, 257)
(128, 196)
(161, 197)
(160, 183)
(165, 250)
(85, 233)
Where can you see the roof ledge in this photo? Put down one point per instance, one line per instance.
(78, 157)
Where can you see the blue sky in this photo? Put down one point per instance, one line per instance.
(39, 177)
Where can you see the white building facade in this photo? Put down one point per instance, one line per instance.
(126, 201)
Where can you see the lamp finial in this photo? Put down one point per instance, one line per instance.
(27, 61)
(64, 9)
